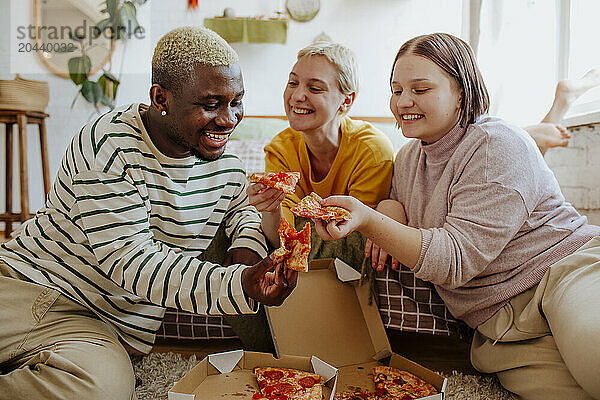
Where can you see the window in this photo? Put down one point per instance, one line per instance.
(526, 46)
(583, 54)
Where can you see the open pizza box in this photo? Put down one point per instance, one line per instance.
(229, 375)
(328, 315)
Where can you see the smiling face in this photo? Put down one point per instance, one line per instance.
(203, 113)
(312, 98)
(425, 99)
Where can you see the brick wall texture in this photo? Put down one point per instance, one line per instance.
(577, 168)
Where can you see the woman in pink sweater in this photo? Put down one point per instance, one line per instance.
(475, 210)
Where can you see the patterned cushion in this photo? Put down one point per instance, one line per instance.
(185, 325)
(251, 152)
(409, 304)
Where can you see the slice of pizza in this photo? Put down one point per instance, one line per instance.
(310, 207)
(399, 384)
(288, 384)
(284, 181)
(294, 246)
(356, 393)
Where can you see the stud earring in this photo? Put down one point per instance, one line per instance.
(163, 113)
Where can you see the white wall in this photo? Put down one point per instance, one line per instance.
(373, 29)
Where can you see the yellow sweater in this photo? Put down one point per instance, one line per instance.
(362, 167)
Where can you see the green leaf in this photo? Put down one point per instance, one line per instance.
(128, 12)
(103, 25)
(107, 102)
(112, 7)
(109, 84)
(79, 68)
(91, 91)
(110, 76)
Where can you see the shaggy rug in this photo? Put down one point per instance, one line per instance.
(156, 373)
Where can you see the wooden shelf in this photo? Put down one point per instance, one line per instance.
(249, 30)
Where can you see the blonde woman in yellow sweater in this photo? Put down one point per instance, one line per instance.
(333, 153)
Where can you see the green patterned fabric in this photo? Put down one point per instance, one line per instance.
(249, 30)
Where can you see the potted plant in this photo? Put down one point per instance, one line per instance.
(120, 21)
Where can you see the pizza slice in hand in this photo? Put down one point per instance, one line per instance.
(288, 384)
(284, 181)
(294, 246)
(399, 384)
(310, 207)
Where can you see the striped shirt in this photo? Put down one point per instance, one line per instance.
(123, 225)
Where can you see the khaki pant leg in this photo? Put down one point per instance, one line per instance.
(53, 348)
(571, 304)
(527, 342)
(532, 368)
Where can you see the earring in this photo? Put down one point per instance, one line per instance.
(163, 113)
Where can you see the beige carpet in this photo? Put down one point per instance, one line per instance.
(156, 373)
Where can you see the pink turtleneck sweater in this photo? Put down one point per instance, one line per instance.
(491, 214)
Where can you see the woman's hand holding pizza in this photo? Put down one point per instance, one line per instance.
(337, 229)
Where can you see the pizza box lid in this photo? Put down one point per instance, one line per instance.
(328, 314)
(230, 375)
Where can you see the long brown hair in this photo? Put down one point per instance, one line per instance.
(455, 57)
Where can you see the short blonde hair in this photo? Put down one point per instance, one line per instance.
(342, 58)
(177, 52)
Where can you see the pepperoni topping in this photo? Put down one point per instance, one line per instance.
(399, 381)
(273, 375)
(307, 382)
(269, 390)
(407, 397)
(380, 391)
(258, 396)
(284, 387)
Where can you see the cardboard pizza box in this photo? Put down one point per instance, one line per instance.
(328, 314)
(229, 375)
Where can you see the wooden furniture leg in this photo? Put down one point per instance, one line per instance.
(9, 177)
(44, 151)
(23, 173)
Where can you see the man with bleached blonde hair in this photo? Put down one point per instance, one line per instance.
(139, 197)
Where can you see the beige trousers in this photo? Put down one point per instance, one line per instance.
(53, 348)
(545, 343)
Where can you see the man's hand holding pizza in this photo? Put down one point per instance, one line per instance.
(269, 282)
